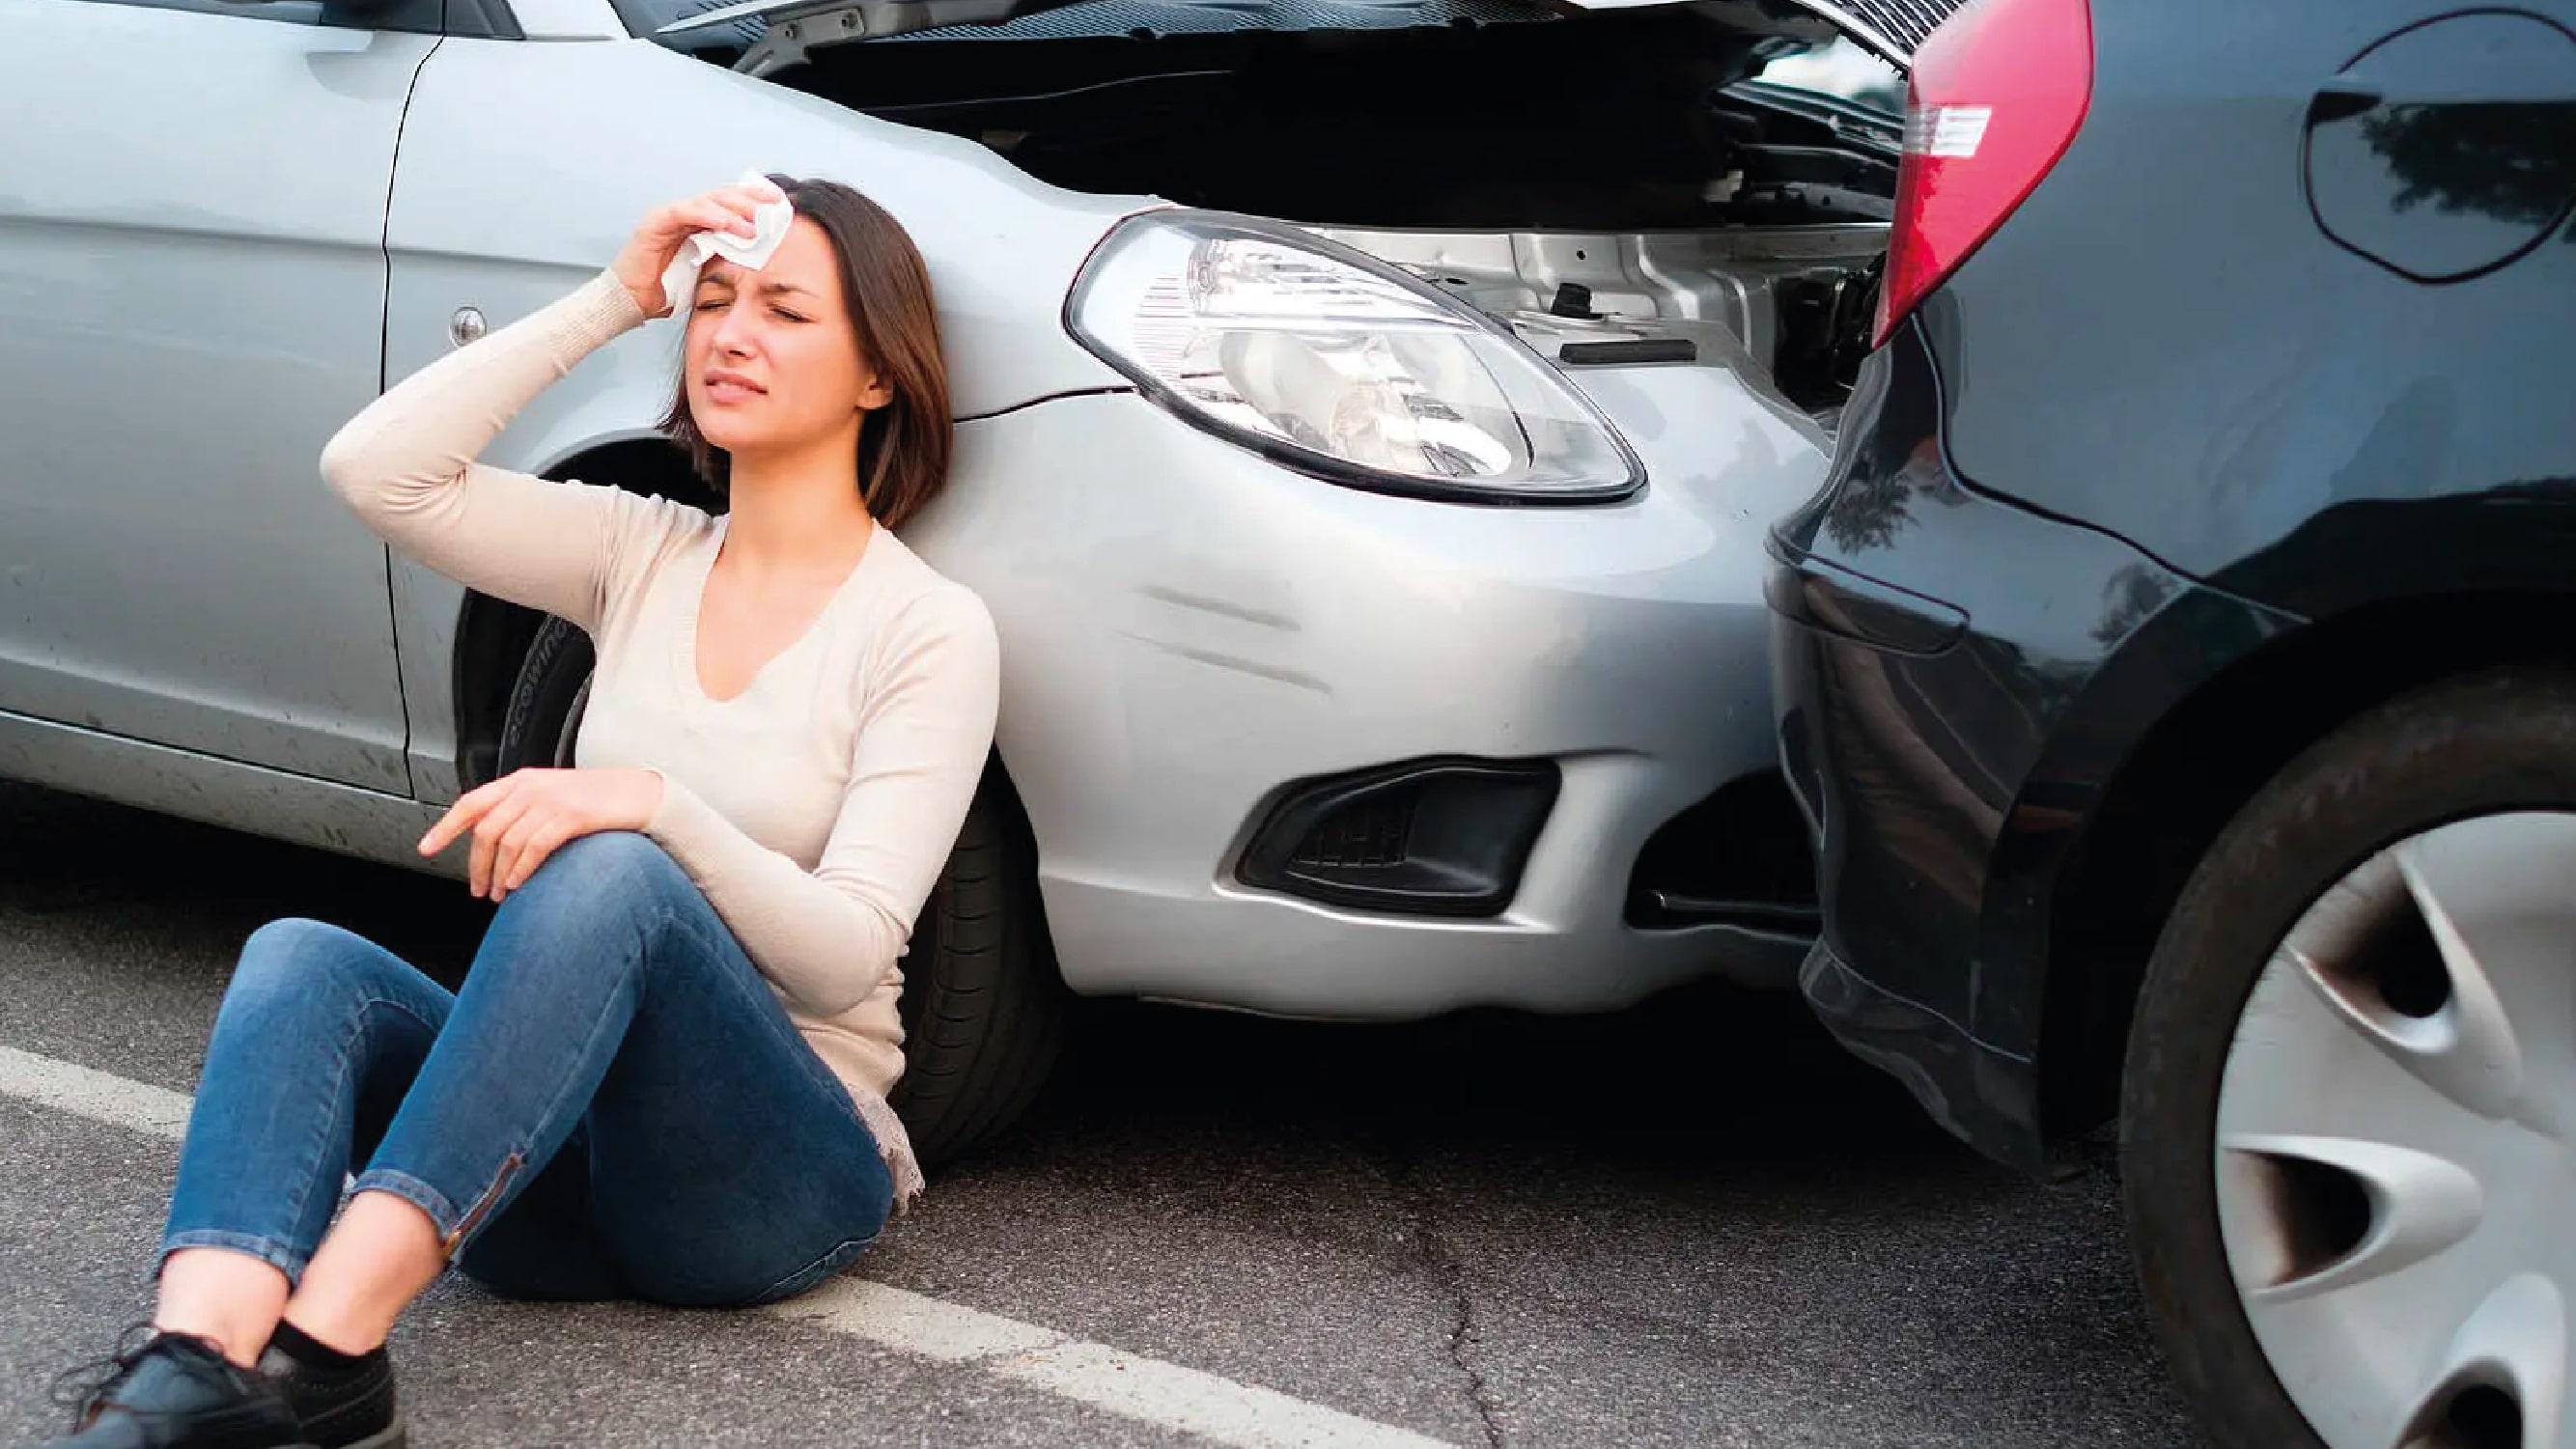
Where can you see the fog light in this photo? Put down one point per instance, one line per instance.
(1428, 837)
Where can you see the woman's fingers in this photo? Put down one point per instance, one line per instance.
(488, 833)
(510, 860)
(751, 198)
(713, 215)
(460, 817)
(730, 209)
(441, 834)
(649, 251)
(741, 204)
(541, 843)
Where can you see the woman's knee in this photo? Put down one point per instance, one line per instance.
(292, 960)
(614, 871)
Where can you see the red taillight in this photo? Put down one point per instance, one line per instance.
(1997, 93)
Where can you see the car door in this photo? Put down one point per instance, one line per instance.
(192, 282)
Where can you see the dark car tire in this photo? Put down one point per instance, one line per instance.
(984, 1007)
(2471, 746)
(546, 700)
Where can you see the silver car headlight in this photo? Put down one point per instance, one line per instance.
(1331, 362)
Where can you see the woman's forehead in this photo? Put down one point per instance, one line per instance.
(804, 262)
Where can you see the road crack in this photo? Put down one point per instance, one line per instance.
(1431, 1251)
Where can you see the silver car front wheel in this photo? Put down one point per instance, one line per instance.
(2349, 1115)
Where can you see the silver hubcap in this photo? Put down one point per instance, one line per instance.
(2397, 1144)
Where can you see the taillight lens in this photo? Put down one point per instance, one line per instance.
(1996, 95)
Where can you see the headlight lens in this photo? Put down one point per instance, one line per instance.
(1339, 365)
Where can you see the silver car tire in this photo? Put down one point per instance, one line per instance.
(984, 1006)
(2349, 1112)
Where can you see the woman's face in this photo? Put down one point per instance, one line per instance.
(773, 362)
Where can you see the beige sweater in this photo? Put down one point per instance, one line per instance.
(817, 807)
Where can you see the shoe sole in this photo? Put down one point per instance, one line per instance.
(389, 1438)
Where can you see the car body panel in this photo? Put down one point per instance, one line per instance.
(2349, 393)
(343, 819)
(155, 296)
(1186, 628)
(1947, 775)
(2474, 113)
(2126, 478)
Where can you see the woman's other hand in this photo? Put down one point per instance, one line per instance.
(523, 817)
(657, 239)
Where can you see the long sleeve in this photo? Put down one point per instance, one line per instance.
(829, 938)
(406, 465)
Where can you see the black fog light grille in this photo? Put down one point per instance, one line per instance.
(1372, 834)
(1430, 837)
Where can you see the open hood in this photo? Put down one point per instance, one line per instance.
(1888, 29)
(775, 34)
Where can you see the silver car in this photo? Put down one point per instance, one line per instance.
(1369, 413)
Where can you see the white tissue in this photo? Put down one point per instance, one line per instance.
(769, 223)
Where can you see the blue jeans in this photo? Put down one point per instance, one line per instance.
(615, 1106)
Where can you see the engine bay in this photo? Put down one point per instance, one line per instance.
(1622, 176)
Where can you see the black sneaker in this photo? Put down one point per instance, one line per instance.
(349, 1405)
(174, 1391)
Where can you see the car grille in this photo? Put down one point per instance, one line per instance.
(1903, 23)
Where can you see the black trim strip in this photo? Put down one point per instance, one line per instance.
(1112, 390)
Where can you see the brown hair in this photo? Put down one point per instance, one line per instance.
(903, 446)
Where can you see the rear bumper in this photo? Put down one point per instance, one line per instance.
(1909, 814)
(1984, 1097)
(1957, 683)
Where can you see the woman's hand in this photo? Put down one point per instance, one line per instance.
(658, 238)
(520, 819)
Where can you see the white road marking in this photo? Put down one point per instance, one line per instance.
(1145, 1389)
(1091, 1373)
(92, 1094)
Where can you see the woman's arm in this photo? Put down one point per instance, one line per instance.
(406, 464)
(406, 461)
(828, 938)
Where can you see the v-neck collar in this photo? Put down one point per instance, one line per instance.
(693, 606)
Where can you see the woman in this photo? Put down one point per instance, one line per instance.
(666, 1075)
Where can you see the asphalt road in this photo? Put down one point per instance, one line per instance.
(1694, 1225)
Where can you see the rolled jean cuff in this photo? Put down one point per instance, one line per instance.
(281, 1256)
(445, 1214)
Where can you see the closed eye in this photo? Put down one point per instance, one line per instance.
(790, 316)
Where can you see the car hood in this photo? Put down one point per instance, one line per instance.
(776, 34)
(1888, 29)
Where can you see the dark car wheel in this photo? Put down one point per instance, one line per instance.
(547, 700)
(983, 1005)
(2351, 1087)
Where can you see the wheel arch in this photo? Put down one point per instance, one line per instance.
(2199, 763)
